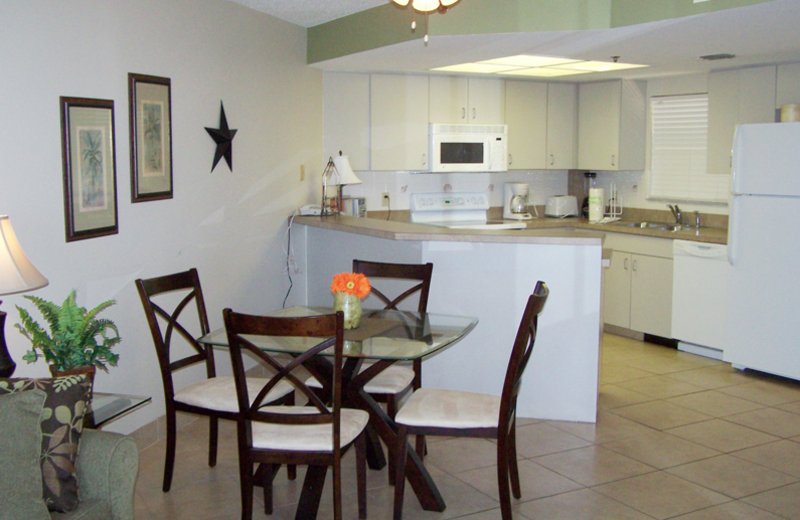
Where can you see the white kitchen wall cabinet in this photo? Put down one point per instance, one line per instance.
(399, 122)
(736, 97)
(345, 106)
(637, 287)
(466, 100)
(526, 117)
(611, 125)
(562, 119)
(449, 99)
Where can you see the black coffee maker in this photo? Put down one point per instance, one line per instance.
(589, 181)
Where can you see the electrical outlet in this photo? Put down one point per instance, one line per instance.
(302, 172)
(385, 199)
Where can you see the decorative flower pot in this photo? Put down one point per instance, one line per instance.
(90, 371)
(350, 305)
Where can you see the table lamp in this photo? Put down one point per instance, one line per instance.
(17, 274)
(339, 173)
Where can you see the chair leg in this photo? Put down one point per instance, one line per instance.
(213, 438)
(400, 470)
(361, 475)
(337, 490)
(391, 411)
(246, 484)
(169, 460)
(513, 470)
(267, 477)
(502, 477)
(421, 447)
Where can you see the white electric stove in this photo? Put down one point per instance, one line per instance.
(466, 210)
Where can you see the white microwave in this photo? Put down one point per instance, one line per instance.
(468, 148)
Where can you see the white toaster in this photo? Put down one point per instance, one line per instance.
(561, 206)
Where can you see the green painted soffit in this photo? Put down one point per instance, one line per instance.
(388, 24)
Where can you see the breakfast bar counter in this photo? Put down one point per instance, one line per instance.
(487, 274)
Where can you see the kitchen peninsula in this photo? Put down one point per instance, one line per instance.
(488, 275)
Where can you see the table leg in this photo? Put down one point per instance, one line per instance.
(312, 493)
(375, 458)
(421, 481)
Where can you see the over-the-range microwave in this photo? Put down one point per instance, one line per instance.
(468, 148)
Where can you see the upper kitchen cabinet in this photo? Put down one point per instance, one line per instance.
(345, 104)
(736, 97)
(466, 100)
(526, 117)
(562, 118)
(399, 122)
(611, 125)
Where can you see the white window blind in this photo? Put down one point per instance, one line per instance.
(679, 147)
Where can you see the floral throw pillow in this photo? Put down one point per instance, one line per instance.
(62, 424)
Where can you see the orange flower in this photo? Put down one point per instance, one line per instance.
(351, 283)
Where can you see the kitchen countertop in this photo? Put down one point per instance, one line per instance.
(565, 231)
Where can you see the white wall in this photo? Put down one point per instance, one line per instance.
(230, 225)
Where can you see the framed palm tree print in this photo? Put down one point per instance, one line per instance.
(90, 172)
(151, 137)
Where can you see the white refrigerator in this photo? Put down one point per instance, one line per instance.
(763, 313)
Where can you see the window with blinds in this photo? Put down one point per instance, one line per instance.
(679, 147)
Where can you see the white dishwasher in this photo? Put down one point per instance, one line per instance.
(699, 294)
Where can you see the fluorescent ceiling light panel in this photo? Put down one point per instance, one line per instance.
(475, 68)
(542, 72)
(527, 60)
(597, 66)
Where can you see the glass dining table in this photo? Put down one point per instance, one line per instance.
(384, 337)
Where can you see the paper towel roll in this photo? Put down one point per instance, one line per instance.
(790, 113)
(596, 204)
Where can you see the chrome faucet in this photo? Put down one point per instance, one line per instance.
(676, 212)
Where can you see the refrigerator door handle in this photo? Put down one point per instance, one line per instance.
(733, 229)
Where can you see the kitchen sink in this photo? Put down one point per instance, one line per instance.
(653, 225)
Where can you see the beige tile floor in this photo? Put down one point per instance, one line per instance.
(677, 436)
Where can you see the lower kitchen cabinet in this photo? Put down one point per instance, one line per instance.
(637, 287)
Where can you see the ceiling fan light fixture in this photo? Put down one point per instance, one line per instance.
(427, 6)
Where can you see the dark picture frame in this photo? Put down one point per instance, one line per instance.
(90, 167)
(150, 113)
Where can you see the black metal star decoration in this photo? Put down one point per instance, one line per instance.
(223, 136)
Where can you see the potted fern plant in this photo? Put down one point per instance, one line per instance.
(78, 341)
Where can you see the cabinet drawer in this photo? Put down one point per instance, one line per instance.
(651, 246)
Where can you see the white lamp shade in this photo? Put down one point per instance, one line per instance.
(17, 273)
(346, 174)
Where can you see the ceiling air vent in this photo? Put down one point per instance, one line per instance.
(720, 56)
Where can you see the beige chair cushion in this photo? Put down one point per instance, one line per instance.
(393, 380)
(219, 393)
(306, 437)
(450, 409)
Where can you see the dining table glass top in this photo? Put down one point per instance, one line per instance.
(382, 334)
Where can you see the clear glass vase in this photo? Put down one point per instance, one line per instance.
(350, 305)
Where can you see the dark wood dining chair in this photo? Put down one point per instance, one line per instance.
(467, 414)
(391, 385)
(214, 397)
(315, 434)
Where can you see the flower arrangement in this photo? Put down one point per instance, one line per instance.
(348, 289)
(351, 283)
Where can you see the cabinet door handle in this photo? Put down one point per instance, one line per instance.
(625, 264)
(634, 265)
(473, 112)
(510, 159)
(613, 158)
(424, 160)
(552, 159)
(463, 112)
